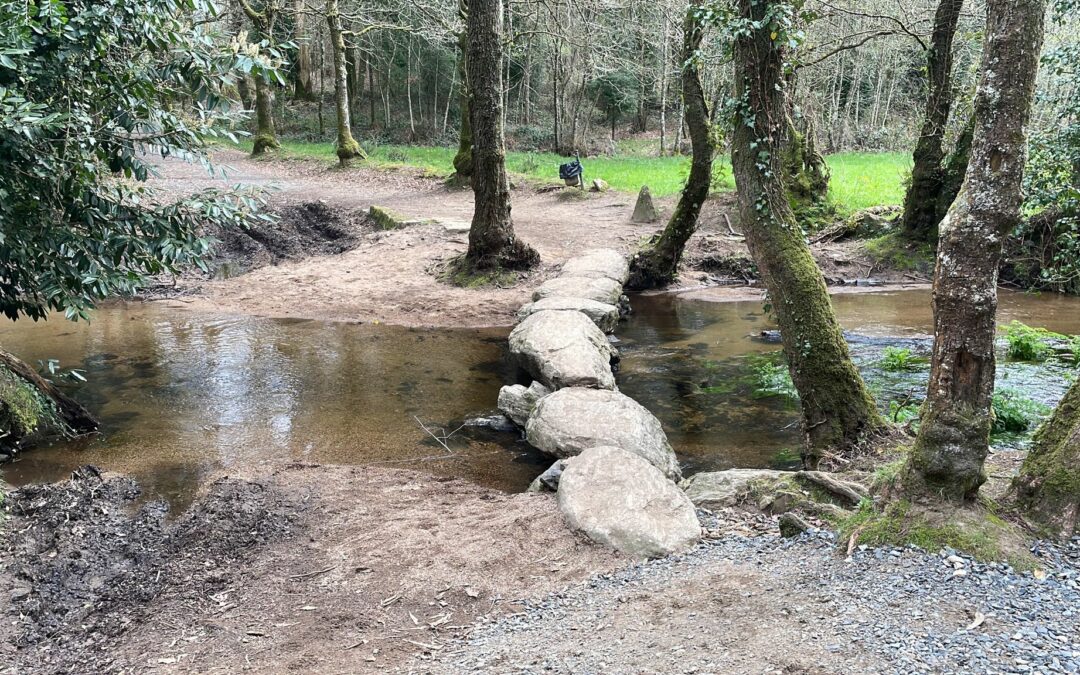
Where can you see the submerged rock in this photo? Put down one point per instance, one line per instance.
(605, 316)
(563, 349)
(571, 421)
(719, 489)
(620, 500)
(549, 480)
(517, 401)
(599, 289)
(598, 262)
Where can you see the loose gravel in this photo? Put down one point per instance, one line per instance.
(746, 602)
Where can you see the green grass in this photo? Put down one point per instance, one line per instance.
(859, 180)
(864, 179)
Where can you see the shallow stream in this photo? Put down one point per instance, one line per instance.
(183, 395)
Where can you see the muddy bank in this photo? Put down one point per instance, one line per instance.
(304, 569)
(323, 261)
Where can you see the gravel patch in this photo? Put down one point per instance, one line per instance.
(747, 600)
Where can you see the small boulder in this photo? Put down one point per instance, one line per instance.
(386, 219)
(549, 480)
(571, 421)
(644, 210)
(517, 401)
(598, 262)
(792, 525)
(603, 315)
(600, 289)
(599, 185)
(618, 499)
(563, 349)
(720, 489)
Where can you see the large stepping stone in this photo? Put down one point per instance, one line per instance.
(605, 316)
(598, 262)
(517, 401)
(563, 349)
(570, 421)
(620, 500)
(598, 289)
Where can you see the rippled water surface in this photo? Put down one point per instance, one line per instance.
(184, 394)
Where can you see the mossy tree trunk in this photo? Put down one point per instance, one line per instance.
(262, 23)
(659, 264)
(805, 170)
(954, 436)
(492, 244)
(347, 147)
(1048, 486)
(21, 412)
(463, 160)
(838, 411)
(955, 168)
(923, 198)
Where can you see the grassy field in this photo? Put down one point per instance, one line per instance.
(859, 180)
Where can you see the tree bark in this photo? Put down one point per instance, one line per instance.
(304, 84)
(463, 160)
(659, 265)
(262, 24)
(921, 203)
(838, 412)
(347, 147)
(492, 244)
(948, 454)
(1048, 486)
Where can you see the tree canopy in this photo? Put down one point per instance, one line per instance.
(90, 92)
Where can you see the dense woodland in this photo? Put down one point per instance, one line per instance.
(982, 95)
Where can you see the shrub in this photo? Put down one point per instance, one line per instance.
(772, 379)
(1014, 413)
(1027, 343)
(898, 359)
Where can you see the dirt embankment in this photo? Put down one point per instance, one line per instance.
(307, 569)
(323, 259)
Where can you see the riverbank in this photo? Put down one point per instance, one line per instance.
(307, 568)
(326, 260)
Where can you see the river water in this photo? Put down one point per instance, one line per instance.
(183, 395)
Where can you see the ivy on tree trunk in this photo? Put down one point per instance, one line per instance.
(658, 265)
(838, 411)
(954, 437)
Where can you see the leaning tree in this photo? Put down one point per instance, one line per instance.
(954, 435)
(658, 265)
(838, 412)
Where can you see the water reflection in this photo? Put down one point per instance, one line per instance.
(690, 362)
(184, 394)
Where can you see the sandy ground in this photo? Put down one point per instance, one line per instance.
(305, 569)
(391, 277)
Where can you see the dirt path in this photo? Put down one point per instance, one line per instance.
(305, 569)
(391, 277)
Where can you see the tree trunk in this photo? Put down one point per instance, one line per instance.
(265, 135)
(1048, 486)
(952, 175)
(347, 147)
(70, 412)
(304, 85)
(492, 244)
(463, 160)
(838, 411)
(921, 214)
(948, 455)
(659, 265)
